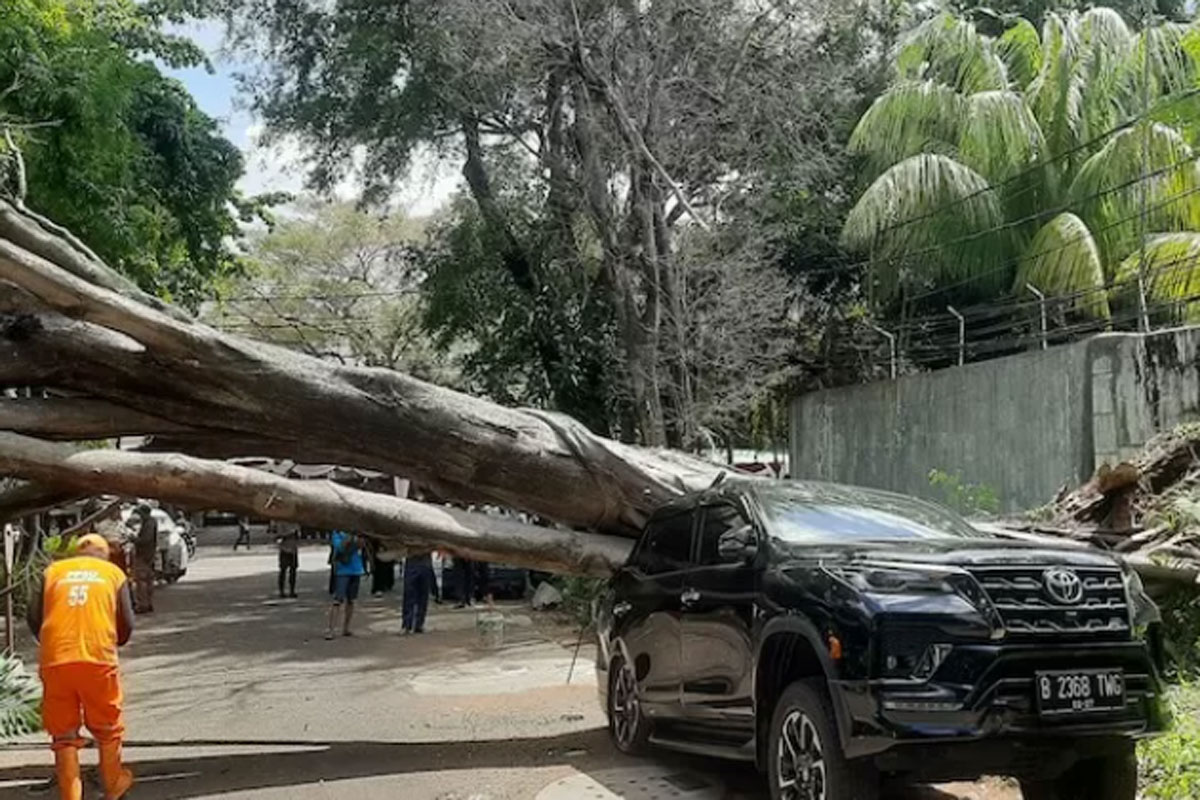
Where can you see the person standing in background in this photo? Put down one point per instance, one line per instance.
(109, 528)
(465, 570)
(243, 533)
(418, 584)
(383, 569)
(349, 565)
(144, 548)
(287, 538)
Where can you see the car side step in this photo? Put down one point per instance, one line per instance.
(732, 752)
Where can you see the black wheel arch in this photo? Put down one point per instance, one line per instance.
(790, 648)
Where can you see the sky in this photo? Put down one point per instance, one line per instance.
(281, 168)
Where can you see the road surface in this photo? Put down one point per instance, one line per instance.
(233, 693)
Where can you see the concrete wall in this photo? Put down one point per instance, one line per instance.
(1024, 425)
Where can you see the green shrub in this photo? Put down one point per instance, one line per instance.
(578, 594)
(20, 699)
(1170, 764)
(969, 499)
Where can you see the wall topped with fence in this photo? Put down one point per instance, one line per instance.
(1023, 425)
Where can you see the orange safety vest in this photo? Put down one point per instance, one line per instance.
(79, 612)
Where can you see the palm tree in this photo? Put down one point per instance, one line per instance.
(996, 162)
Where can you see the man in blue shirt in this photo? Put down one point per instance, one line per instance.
(348, 568)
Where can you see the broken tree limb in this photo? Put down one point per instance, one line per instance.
(1165, 459)
(461, 446)
(32, 498)
(40, 236)
(74, 418)
(198, 483)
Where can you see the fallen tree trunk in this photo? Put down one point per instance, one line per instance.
(221, 390)
(198, 483)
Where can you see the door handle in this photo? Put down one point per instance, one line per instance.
(689, 596)
(621, 609)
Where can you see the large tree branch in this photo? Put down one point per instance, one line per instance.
(32, 498)
(40, 236)
(197, 483)
(72, 418)
(195, 376)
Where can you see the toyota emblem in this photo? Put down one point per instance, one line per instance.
(1063, 585)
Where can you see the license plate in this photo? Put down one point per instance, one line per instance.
(1079, 691)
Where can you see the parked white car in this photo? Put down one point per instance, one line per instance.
(170, 539)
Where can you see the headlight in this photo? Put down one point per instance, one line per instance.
(892, 580)
(1142, 610)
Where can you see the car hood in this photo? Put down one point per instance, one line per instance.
(949, 553)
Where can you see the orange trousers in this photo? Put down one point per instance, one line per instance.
(82, 694)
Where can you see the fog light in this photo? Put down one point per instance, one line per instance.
(933, 657)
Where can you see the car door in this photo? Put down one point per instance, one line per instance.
(647, 608)
(718, 618)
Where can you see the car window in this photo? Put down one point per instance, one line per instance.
(718, 519)
(667, 544)
(825, 513)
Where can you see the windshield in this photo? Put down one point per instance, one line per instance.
(803, 513)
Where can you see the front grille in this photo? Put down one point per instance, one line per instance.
(1018, 594)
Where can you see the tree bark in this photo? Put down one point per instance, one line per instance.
(74, 418)
(232, 389)
(198, 483)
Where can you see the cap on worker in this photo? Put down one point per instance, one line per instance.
(92, 541)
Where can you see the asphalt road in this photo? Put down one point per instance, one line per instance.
(234, 693)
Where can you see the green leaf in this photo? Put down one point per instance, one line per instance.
(1000, 136)
(20, 699)
(1021, 49)
(1056, 94)
(907, 119)
(931, 219)
(1063, 259)
(1171, 67)
(948, 50)
(1172, 271)
(1107, 192)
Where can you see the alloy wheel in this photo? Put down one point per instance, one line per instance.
(626, 710)
(801, 762)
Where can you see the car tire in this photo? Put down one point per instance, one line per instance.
(1111, 777)
(804, 753)
(628, 726)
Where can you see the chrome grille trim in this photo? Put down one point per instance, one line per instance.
(1017, 594)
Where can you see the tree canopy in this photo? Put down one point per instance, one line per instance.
(597, 138)
(112, 148)
(336, 281)
(1033, 158)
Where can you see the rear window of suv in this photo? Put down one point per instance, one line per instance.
(806, 513)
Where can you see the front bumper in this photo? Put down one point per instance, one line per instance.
(985, 691)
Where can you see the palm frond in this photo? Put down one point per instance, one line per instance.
(1172, 276)
(1056, 94)
(1104, 28)
(1107, 192)
(1106, 45)
(1171, 66)
(907, 119)
(1000, 136)
(20, 699)
(1021, 49)
(948, 50)
(1063, 259)
(931, 220)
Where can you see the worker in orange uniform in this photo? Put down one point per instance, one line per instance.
(83, 613)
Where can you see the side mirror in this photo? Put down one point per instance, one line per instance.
(738, 545)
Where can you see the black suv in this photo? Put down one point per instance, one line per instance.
(841, 637)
